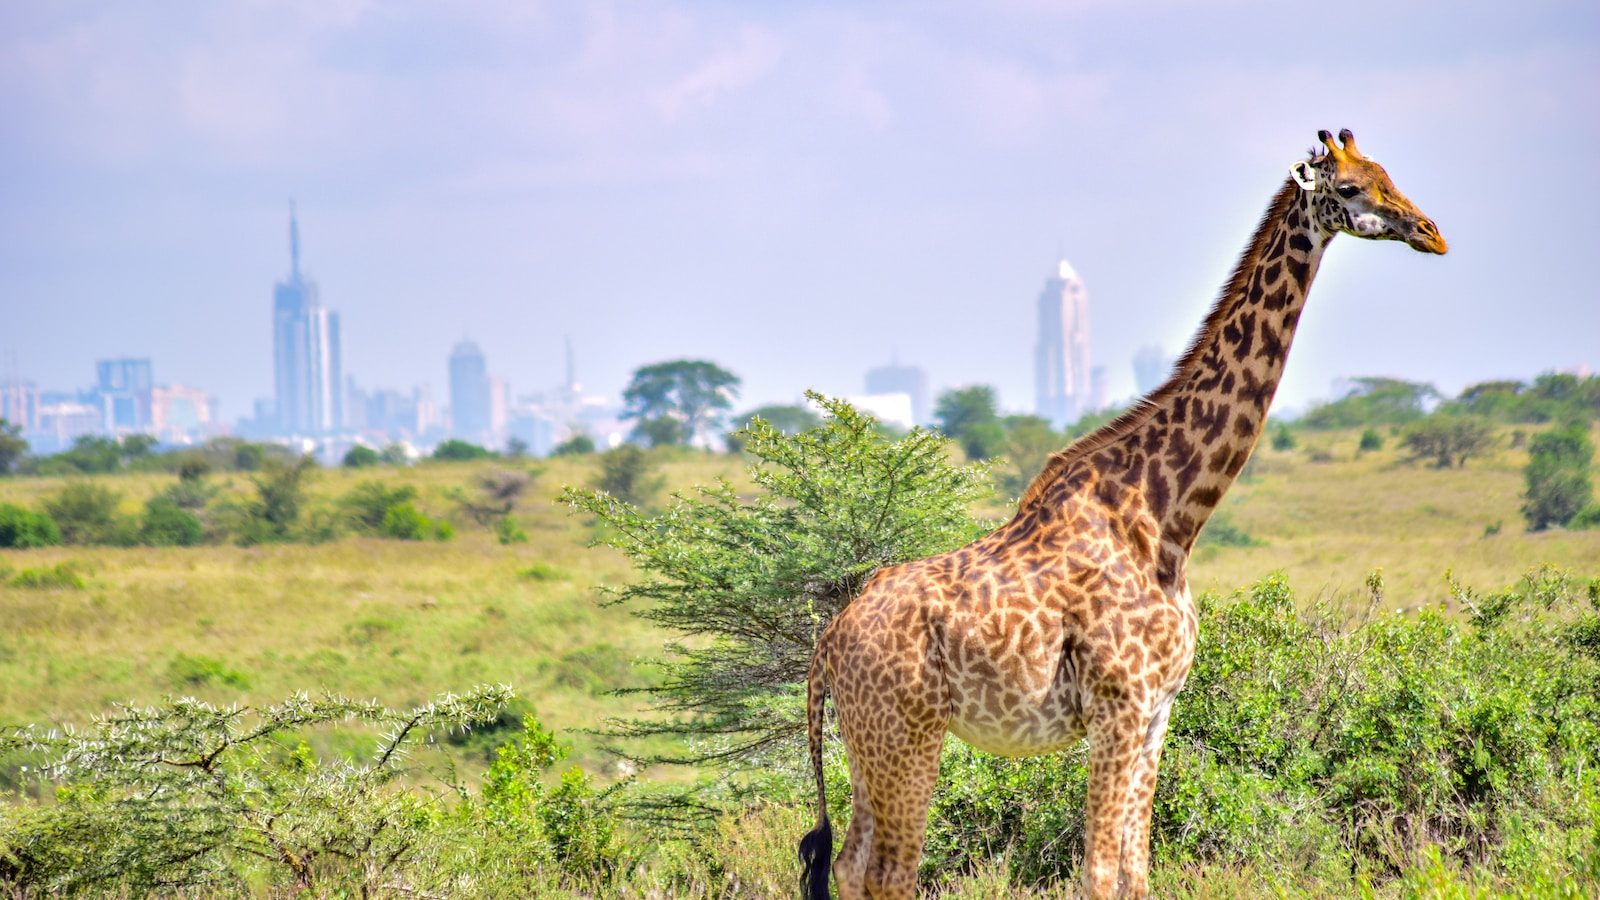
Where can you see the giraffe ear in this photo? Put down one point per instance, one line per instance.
(1304, 175)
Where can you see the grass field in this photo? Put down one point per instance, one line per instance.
(402, 621)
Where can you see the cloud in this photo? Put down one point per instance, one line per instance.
(755, 54)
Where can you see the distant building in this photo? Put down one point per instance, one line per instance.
(891, 409)
(124, 387)
(19, 404)
(305, 352)
(1099, 389)
(897, 379)
(470, 394)
(62, 422)
(1151, 366)
(180, 414)
(1062, 386)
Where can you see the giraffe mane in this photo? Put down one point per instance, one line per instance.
(1136, 415)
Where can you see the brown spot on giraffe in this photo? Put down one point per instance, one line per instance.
(1074, 619)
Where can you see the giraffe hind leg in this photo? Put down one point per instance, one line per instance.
(850, 866)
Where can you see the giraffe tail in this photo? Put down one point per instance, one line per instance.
(816, 848)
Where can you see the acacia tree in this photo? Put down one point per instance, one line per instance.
(676, 402)
(748, 582)
(971, 415)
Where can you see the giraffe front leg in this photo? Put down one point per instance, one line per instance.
(1136, 835)
(1117, 732)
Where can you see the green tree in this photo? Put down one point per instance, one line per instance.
(971, 416)
(456, 450)
(366, 505)
(394, 455)
(1557, 477)
(694, 393)
(274, 514)
(628, 474)
(12, 447)
(750, 581)
(361, 457)
(1448, 439)
(516, 448)
(1374, 401)
(1370, 440)
(1283, 437)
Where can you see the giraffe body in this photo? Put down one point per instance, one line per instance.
(1075, 619)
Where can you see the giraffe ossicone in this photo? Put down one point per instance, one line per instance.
(1074, 619)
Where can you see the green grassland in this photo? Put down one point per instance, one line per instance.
(402, 621)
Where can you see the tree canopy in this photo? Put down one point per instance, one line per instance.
(679, 401)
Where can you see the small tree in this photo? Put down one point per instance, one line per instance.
(749, 582)
(1283, 438)
(1371, 441)
(628, 474)
(1557, 477)
(1448, 439)
(166, 524)
(12, 447)
(498, 492)
(1029, 443)
(366, 505)
(274, 514)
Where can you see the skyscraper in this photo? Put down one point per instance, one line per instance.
(1062, 387)
(469, 392)
(897, 379)
(305, 352)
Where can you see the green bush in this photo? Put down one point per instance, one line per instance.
(166, 524)
(367, 504)
(361, 457)
(404, 522)
(86, 513)
(23, 528)
(1283, 438)
(578, 445)
(509, 531)
(629, 474)
(1448, 439)
(1370, 440)
(458, 450)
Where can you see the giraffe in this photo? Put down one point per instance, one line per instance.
(1074, 619)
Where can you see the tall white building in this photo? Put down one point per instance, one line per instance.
(305, 352)
(1063, 389)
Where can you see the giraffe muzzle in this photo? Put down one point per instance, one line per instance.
(1425, 237)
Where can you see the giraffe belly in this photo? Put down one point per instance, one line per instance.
(1017, 722)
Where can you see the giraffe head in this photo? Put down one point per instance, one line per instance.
(1354, 195)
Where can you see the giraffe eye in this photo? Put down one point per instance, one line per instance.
(1347, 190)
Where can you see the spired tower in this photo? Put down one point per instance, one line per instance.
(1063, 386)
(305, 352)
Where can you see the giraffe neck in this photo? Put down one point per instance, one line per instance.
(1184, 445)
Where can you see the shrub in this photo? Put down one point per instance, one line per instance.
(23, 528)
(543, 572)
(1221, 531)
(1283, 438)
(1370, 440)
(1589, 517)
(628, 474)
(274, 514)
(61, 576)
(579, 444)
(361, 457)
(510, 532)
(86, 513)
(166, 524)
(405, 522)
(458, 450)
(367, 504)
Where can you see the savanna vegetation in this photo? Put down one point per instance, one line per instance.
(1343, 733)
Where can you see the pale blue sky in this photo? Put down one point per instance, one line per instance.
(797, 191)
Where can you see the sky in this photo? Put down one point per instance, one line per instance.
(797, 191)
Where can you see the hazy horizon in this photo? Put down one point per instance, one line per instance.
(798, 194)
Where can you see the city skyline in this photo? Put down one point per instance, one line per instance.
(690, 181)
